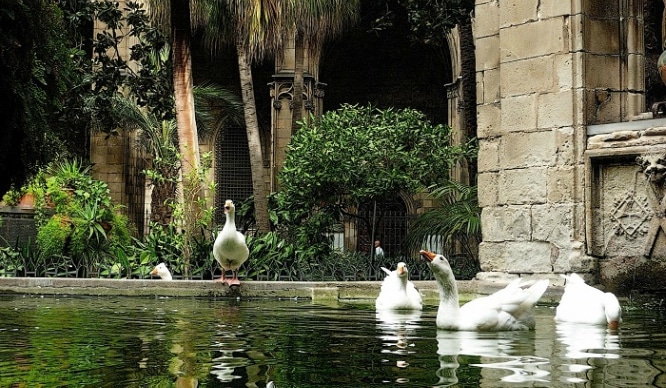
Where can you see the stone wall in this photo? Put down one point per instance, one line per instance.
(549, 74)
(531, 137)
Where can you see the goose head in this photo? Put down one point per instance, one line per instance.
(229, 207)
(612, 310)
(162, 271)
(401, 269)
(438, 263)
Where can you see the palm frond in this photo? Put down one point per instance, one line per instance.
(215, 108)
(456, 221)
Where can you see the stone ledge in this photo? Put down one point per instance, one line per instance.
(347, 292)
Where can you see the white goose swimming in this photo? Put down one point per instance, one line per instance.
(230, 249)
(397, 292)
(162, 271)
(510, 308)
(582, 303)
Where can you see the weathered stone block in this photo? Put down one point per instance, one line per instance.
(529, 257)
(562, 185)
(600, 35)
(522, 186)
(574, 259)
(570, 147)
(600, 9)
(515, 12)
(553, 223)
(488, 120)
(636, 77)
(602, 105)
(565, 71)
(535, 39)
(597, 68)
(487, 89)
(492, 257)
(489, 195)
(635, 104)
(535, 75)
(515, 257)
(506, 223)
(486, 19)
(519, 113)
(487, 52)
(529, 149)
(552, 8)
(555, 109)
(489, 152)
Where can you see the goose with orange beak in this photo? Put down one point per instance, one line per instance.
(397, 292)
(511, 308)
(230, 249)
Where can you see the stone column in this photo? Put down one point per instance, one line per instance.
(281, 91)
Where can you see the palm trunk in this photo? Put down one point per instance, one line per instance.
(253, 142)
(163, 196)
(297, 113)
(187, 130)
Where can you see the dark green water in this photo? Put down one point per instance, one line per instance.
(141, 342)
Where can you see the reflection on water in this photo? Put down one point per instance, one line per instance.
(141, 342)
(504, 356)
(398, 328)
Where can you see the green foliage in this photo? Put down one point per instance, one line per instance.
(10, 261)
(52, 237)
(86, 226)
(12, 197)
(356, 155)
(457, 221)
(36, 74)
(275, 257)
(163, 243)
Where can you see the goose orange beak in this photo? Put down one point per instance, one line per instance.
(613, 325)
(427, 255)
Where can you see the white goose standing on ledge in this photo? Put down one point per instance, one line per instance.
(510, 308)
(230, 249)
(397, 292)
(582, 303)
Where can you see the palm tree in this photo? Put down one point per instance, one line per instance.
(255, 29)
(258, 29)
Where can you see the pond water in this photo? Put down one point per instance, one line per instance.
(182, 342)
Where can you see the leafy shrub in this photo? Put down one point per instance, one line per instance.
(52, 237)
(12, 196)
(86, 226)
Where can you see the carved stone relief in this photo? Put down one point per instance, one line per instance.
(653, 166)
(284, 89)
(623, 211)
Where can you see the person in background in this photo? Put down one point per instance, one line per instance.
(379, 252)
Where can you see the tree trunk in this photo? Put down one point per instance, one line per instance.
(163, 196)
(253, 142)
(297, 113)
(188, 141)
